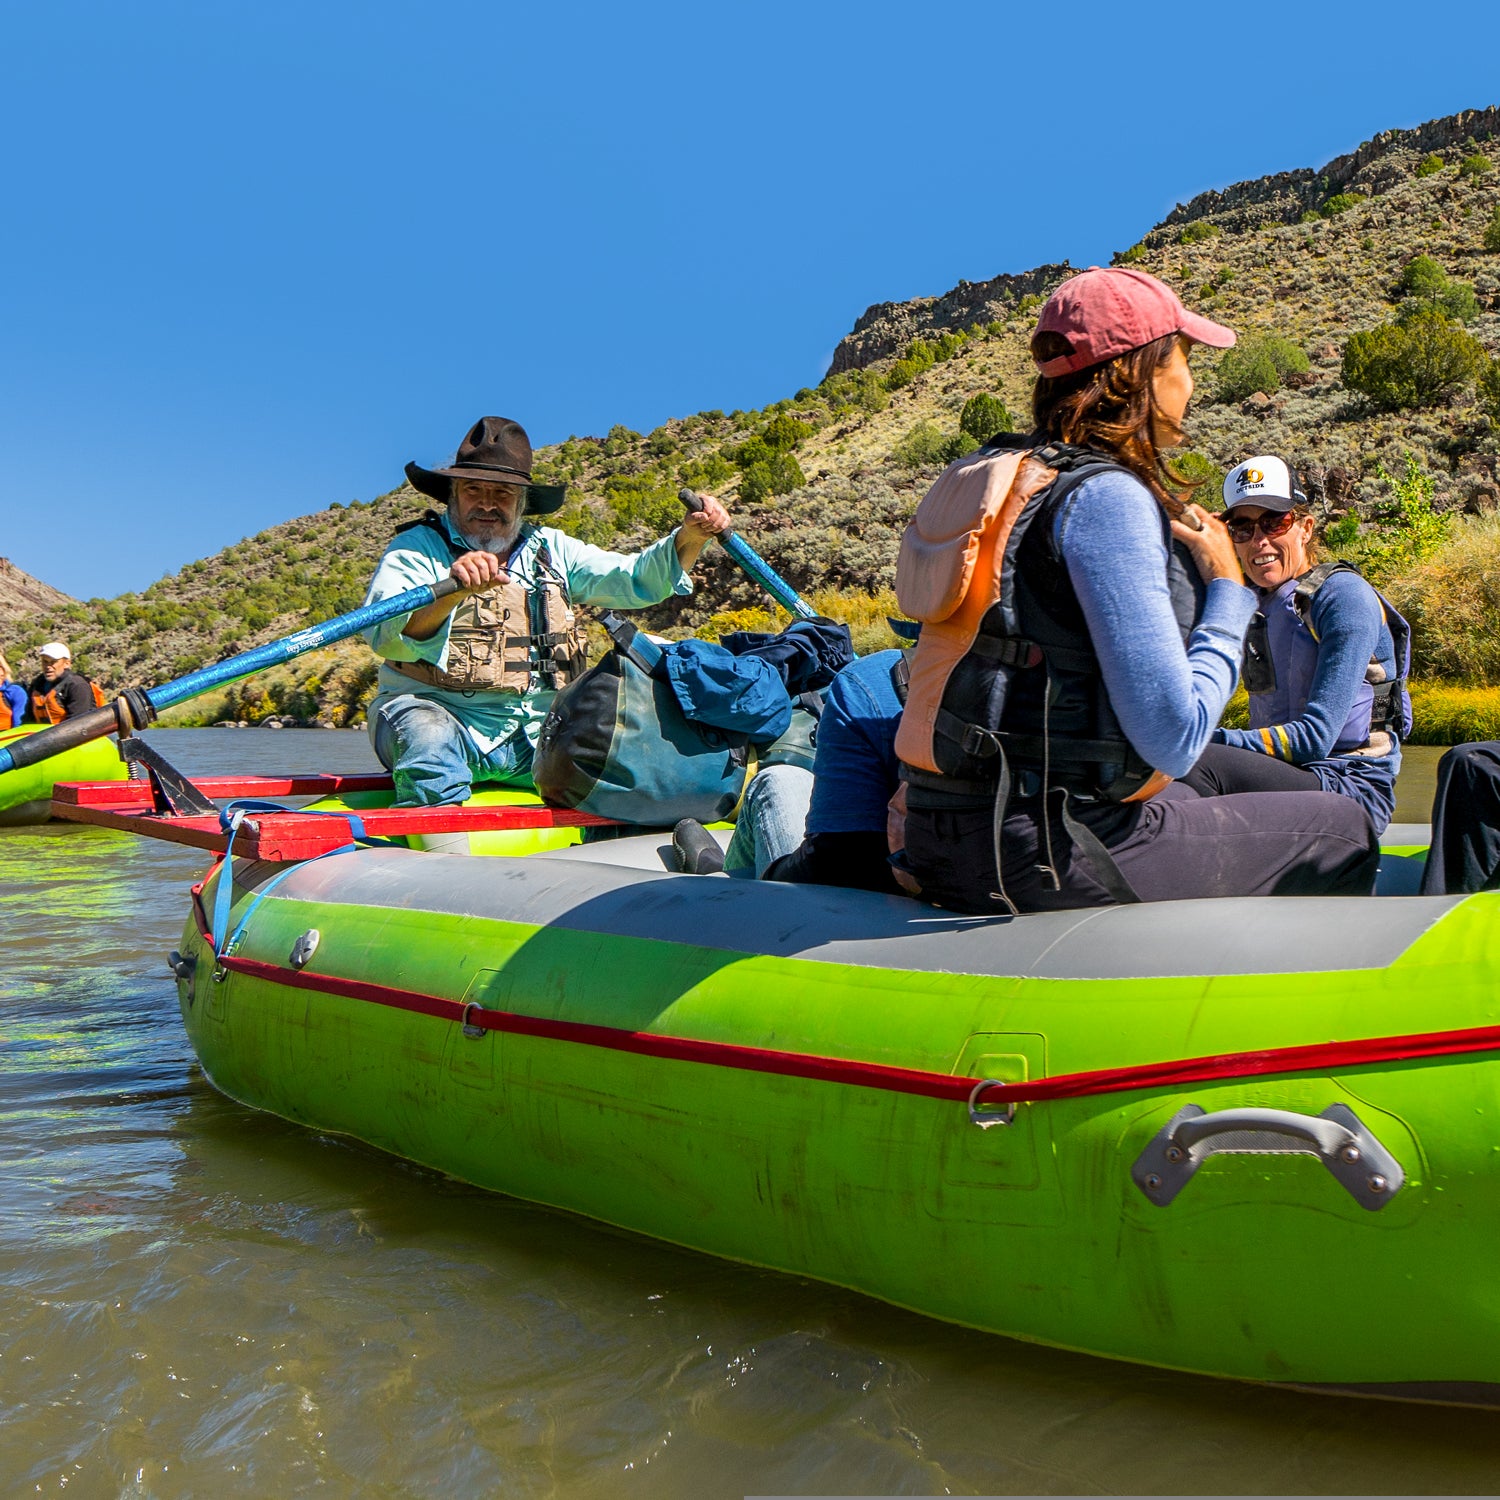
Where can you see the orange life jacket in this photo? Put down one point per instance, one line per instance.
(47, 707)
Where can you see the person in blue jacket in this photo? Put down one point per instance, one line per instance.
(1326, 659)
(13, 698)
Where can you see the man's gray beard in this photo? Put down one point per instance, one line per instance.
(496, 539)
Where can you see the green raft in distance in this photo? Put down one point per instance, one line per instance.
(785, 1076)
(26, 794)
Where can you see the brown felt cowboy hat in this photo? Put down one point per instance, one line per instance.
(495, 451)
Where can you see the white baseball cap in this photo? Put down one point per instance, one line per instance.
(57, 650)
(1266, 481)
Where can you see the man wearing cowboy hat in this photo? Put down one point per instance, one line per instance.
(466, 682)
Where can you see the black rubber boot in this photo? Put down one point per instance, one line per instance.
(697, 850)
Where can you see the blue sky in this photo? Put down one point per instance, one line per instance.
(254, 258)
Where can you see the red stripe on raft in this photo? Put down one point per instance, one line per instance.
(1316, 1057)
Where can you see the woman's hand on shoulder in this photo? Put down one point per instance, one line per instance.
(1209, 544)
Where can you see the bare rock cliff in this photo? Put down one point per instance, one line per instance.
(21, 594)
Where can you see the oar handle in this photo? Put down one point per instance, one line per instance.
(754, 565)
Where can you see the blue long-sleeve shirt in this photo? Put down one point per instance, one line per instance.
(1302, 723)
(1168, 700)
(15, 700)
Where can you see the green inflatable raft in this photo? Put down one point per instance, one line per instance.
(1257, 1139)
(26, 794)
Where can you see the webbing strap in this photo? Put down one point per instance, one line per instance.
(231, 819)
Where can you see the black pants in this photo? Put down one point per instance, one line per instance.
(1174, 847)
(1465, 854)
(1223, 770)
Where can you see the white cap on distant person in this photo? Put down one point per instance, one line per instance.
(55, 651)
(1266, 481)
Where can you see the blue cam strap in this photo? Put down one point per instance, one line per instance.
(231, 817)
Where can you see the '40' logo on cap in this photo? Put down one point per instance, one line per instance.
(1252, 476)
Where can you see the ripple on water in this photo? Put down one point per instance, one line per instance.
(220, 1303)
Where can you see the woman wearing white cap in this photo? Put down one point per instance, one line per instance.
(1326, 659)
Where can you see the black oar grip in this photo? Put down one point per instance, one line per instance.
(691, 499)
(443, 587)
(72, 732)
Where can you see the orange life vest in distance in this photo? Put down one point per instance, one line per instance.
(46, 708)
(7, 720)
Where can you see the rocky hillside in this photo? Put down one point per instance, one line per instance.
(824, 481)
(22, 595)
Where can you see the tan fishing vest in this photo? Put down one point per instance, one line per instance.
(494, 647)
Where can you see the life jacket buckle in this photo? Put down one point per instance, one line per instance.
(979, 742)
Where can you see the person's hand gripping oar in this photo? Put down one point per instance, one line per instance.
(754, 565)
(137, 707)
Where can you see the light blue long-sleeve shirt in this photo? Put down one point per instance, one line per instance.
(610, 580)
(1168, 700)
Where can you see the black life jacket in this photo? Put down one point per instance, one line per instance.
(1030, 684)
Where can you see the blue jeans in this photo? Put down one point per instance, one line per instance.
(432, 759)
(772, 820)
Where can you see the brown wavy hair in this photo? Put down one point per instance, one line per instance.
(1111, 406)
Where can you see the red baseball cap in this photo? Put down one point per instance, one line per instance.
(1105, 311)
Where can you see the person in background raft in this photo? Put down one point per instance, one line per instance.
(1070, 661)
(57, 691)
(1325, 662)
(465, 682)
(12, 698)
(1465, 851)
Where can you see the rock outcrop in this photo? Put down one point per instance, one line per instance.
(1281, 198)
(888, 327)
(21, 594)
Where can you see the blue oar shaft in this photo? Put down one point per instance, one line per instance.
(99, 722)
(754, 565)
(222, 673)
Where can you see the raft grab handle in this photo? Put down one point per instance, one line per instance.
(984, 1118)
(1356, 1160)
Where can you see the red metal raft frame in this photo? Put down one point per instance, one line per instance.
(135, 807)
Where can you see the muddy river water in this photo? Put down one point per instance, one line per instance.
(196, 1299)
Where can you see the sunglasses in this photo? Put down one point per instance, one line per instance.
(1241, 530)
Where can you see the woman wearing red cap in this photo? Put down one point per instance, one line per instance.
(1082, 633)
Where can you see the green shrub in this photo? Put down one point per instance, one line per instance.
(1202, 475)
(1422, 276)
(706, 473)
(783, 433)
(1492, 233)
(1340, 203)
(958, 445)
(1198, 231)
(1423, 283)
(983, 416)
(919, 357)
(1410, 532)
(1258, 363)
(1475, 166)
(1419, 361)
(923, 445)
(1341, 537)
(642, 500)
(1429, 164)
(779, 474)
(1489, 389)
(1452, 599)
(1130, 256)
(1310, 216)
